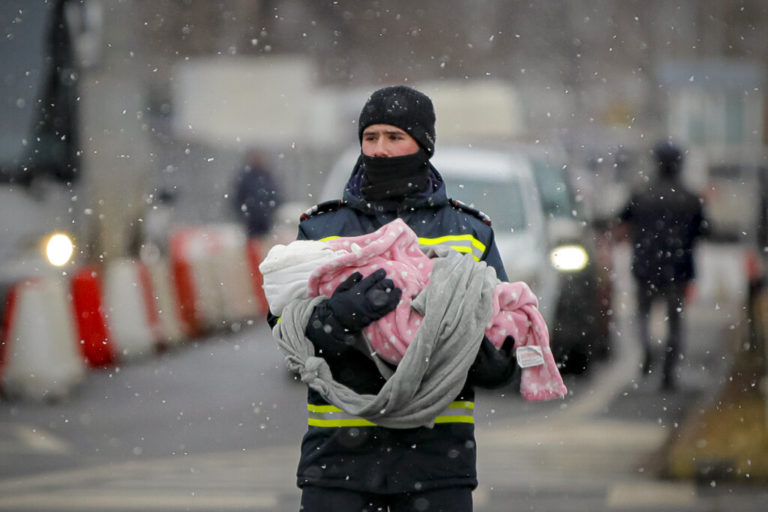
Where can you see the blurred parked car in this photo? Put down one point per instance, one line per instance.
(542, 237)
(501, 185)
(581, 254)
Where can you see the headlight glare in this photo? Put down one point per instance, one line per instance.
(569, 258)
(59, 249)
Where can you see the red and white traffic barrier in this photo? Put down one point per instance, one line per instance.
(115, 312)
(255, 252)
(231, 269)
(171, 329)
(39, 358)
(126, 309)
(131, 309)
(196, 289)
(213, 277)
(90, 317)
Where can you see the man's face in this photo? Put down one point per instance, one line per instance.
(385, 140)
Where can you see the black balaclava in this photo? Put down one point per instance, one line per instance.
(411, 111)
(394, 177)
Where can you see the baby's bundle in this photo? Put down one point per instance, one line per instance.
(304, 269)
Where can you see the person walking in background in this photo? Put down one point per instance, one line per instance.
(256, 195)
(156, 228)
(664, 223)
(417, 460)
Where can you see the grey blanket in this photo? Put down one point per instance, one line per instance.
(456, 306)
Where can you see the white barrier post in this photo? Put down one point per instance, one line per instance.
(129, 314)
(172, 333)
(231, 268)
(196, 290)
(41, 356)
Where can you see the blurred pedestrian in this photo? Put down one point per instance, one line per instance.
(157, 225)
(377, 461)
(665, 221)
(256, 195)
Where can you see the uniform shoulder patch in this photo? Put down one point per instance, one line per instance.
(324, 207)
(472, 211)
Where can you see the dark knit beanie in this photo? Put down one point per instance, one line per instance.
(404, 107)
(669, 158)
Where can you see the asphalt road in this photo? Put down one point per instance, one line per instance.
(215, 426)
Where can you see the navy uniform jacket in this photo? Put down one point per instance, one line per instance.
(347, 452)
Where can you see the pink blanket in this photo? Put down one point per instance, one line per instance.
(395, 248)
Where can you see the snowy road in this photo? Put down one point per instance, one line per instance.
(216, 426)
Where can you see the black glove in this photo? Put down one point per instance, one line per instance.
(336, 322)
(358, 302)
(493, 367)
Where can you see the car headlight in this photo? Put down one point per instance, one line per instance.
(569, 258)
(59, 249)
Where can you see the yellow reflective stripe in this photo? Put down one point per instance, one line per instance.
(462, 405)
(457, 413)
(330, 416)
(455, 419)
(323, 408)
(466, 244)
(453, 238)
(357, 422)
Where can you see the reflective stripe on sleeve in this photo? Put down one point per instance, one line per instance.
(330, 416)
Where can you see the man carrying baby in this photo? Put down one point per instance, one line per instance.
(348, 463)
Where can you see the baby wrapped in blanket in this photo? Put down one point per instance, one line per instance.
(304, 269)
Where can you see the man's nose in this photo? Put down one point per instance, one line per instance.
(381, 148)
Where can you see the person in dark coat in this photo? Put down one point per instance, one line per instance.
(349, 464)
(256, 195)
(665, 222)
